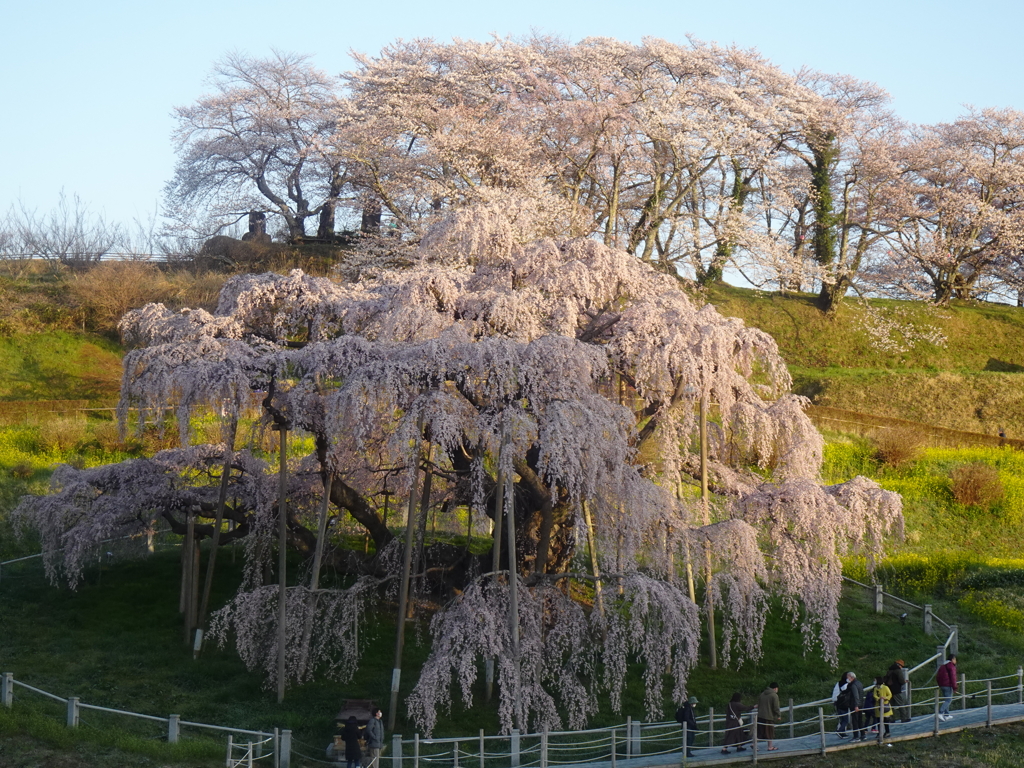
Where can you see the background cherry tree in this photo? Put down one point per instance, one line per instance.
(563, 377)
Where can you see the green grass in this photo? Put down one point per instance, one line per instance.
(58, 365)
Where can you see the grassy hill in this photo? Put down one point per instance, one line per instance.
(958, 367)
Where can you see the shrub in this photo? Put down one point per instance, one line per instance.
(976, 485)
(22, 470)
(899, 445)
(110, 289)
(61, 434)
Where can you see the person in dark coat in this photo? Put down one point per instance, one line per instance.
(686, 715)
(896, 679)
(856, 689)
(351, 735)
(735, 733)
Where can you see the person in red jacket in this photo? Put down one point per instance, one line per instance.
(947, 681)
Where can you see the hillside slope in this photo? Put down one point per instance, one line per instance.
(960, 367)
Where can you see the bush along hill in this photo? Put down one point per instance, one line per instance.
(958, 367)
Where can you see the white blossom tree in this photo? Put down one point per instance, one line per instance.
(560, 376)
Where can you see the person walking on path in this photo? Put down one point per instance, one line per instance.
(856, 690)
(881, 713)
(948, 682)
(841, 700)
(374, 732)
(896, 679)
(768, 714)
(685, 715)
(735, 734)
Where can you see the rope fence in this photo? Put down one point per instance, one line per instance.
(807, 727)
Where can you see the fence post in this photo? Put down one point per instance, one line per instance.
(615, 748)
(988, 705)
(481, 748)
(638, 747)
(686, 743)
(249, 756)
(940, 653)
(954, 643)
(879, 599)
(285, 748)
(7, 689)
(515, 747)
(73, 712)
(277, 749)
(711, 727)
(231, 745)
(455, 755)
(963, 691)
(753, 738)
(629, 737)
(416, 750)
(910, 697)
(821, 730)
(396, 750)
(1020, 685)
(927, 618)
(935, 727)
(544, 748)
(791, 720)
(173, 728)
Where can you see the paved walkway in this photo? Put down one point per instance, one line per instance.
(919, 727)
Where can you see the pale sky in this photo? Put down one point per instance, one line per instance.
(87, 88)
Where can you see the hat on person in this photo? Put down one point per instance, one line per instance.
(900, 662)
(692, 700)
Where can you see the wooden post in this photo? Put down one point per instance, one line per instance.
(928, 619)
(592, 541)
(629, 737)
(231, 746)
(222, 499)
(73, 712)
(416, 750)
(963, 691)
(935, 727)
(515, 745)
(481, 748)
(1020, 685)
(711, 727)
(954, 642)
(7, 689)
(285, 749)
(513, 600)
(879, 599)
(282, 561)
(686, 744)
(792, 722)
(455, 755)
(403, 592)
(615, 747)
(821, 730)
(173, 728)
(544, 748)
(988, 704)
(881, 721)
(499, 508)
(396, 750)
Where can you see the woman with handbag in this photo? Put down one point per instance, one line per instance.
(735, 733)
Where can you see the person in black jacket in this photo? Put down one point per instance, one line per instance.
(686, 715)
(351, 734)
(896, 679)
(856, 689)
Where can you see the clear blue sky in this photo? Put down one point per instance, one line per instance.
(87, 88)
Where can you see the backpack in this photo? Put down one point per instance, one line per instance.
(845, 699)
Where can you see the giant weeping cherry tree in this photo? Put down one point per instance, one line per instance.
(553, 385)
